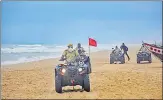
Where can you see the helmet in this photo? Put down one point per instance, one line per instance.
(79, 45)
(116, 46)
(70, 45)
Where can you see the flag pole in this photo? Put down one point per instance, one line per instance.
(88, 47)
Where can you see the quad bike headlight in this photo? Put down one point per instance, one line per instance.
(82, 58)
(63, 70)
(80, 69)
(81, 62)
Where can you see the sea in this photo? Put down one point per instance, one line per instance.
(18, 53)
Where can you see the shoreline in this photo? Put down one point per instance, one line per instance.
(37, 61)
(102, 47)
(3, 65)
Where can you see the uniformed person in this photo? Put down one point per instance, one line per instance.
(117, 50)
(125, 50)
(143, 49)
(69, 54)
(80, 49)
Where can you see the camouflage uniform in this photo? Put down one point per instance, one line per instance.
(70, 55)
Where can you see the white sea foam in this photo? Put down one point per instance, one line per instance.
(31, 48)
(25, 59)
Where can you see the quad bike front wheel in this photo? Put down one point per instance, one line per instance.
(111, 61)
(138, 60)
(58, 84)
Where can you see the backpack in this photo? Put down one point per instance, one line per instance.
(126, 48)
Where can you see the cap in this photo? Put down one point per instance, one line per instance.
(70, 45)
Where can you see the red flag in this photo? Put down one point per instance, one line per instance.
(92, 42)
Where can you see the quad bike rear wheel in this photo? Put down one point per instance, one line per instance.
(89, 66)
(123, 60)
(86, 83)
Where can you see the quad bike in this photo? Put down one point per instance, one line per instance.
(72, 73)
(117, 56)
(144, 56)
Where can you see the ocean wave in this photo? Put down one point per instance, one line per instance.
(13, 54)
(38, 48)
(26, 59)
(31, 49)
(44, 48)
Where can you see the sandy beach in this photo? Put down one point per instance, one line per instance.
(35, 80)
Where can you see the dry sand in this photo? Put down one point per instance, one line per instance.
(35, 80)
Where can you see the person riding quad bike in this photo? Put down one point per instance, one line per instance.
(69, 53)
(116, 50)
(84, 57)
(80, 49)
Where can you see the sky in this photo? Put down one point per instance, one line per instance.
(54, 22)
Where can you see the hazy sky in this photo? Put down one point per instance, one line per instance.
(70, 22)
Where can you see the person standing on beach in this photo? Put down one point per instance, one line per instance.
(80, 49)
(125, 49)
(69, 54)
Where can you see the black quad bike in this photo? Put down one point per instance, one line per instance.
(72, 73)
(117, 57)
(144, 56)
